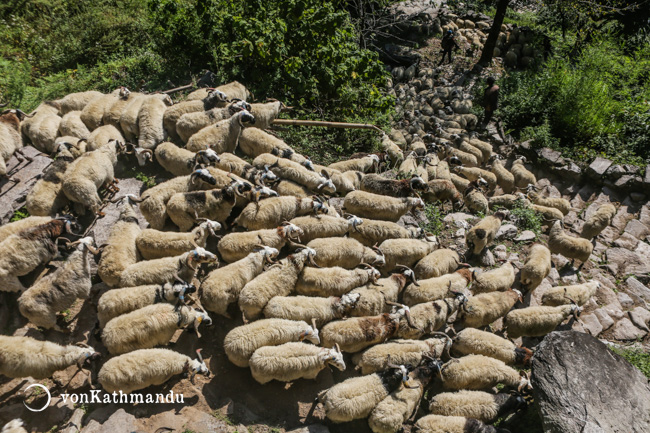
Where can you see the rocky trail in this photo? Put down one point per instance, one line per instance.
(230, 400)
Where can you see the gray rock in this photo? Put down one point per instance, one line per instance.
(314, 428)
(625, 300)
(614, 311)
(604, 319)
(458, 216)
(641, 318)
(486, 258)
(526, 236)
(598, 168)
(628, 262)
(644, 215)
(646, 179)
(628, 181)
(626, 241)
(549, 156)
(500, 252)
(119, 421)
(635, 287)
(570, 171)
(575, 397)
(616, 171)
(460, 233)
(625, 330)
(507, 231)
(591, 324)
(637, 196)
(637, 229)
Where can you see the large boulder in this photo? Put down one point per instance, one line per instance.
(583, 387)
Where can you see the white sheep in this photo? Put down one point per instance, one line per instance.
(223, 136)
(436, 288)
(537, 321)
(291, 361)
(437, 263)
(453, 424)
(367, 205)
(289, 170)
(215, 98)
(77, 101)
(10, 138)
(522, 176)
(598, 221)
(237, 245)
(92, 113)
(335, 281)
(345, 252)
(47, 197)
(155, 244)
(479, 405)
(146, 367)
(150, 326)
(322, 310)
(499, 279)
(271, 212)
(372, 232)
(42, 126)
(474, 341)
(536, 268)
(151, 131)
(570, 247)
(241, 342)
(476, 372)
(325, 226)
(483, 309)
(577, 293)
(191, 123)
(18, 226)
(429, 317)
(406, 352)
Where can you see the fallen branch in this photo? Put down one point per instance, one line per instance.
(296, 122)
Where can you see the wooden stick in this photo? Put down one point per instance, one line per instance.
(179, 89)
(296, 122)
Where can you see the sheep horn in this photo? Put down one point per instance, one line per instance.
(313, 323)
(336, 346)
(409, 320)
(198, 354)
(311, 260)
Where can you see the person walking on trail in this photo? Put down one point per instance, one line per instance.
(490, 99)
(447, 44)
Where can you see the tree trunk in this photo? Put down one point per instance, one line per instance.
(493, 36)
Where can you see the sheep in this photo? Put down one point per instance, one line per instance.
(442, 171)
(42, 127)
(120, 251)
(345, 252)
(288, 188)
(364, 165)
(154, 244)
(28, 249)
(373, 232)
(537, 321)
(465, 158)
(461, 144)
(436, 288)
(222, 286)
(151, 131)
(233, 90)
(129, 119)
(165, 270)
(473, 341)
(484, 232)
(475, 200)
(28, 357)
(289, 170)
(577, 293)
(291, 361)
(11, 139)
(391, 413)
(279, 280)
(536, 268)
(150, 326)
(90, 172)
(411, 166)
(17, 226)
(560, 204)
(391, 148)
(114, 112)
(60, 289)
(405, 352)
(406, 252)
(598, 221)
(154, 200)
(47, 197)
(479, 405)
(443, 190)
(101, 136)
(498, 279)
(459, 182)
(453, 424)
(325, 226)
(437, 263)
(191, 123)
(522, 176)
(14, 426)
(367, 205)
(477, 372)
(146, 367)
(429, 317)
(357, 333)
(377, 184)
(214, 99)
(548, 214)
(117, 302)
(241, 342)
(475, 173)
(237, 245)
(185, 208)
(505, 179)
(77, 101)
(356, 397)
(509, 201)
(322, 310)
(273, 211)
(93, 112)
(254, 142)
(223, 136)
(334, 281)
(569, 246)
(483, 309)
(377, 297)
(266, 113)
(483, 146)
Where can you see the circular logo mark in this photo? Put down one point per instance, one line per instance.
(47, 391)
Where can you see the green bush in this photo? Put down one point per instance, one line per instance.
(526, 218)
(435, 219)
(636, 357)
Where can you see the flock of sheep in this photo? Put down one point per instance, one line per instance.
(312, 281)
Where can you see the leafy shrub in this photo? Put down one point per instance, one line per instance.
(435, 218)
(526, 218)
(19, 214)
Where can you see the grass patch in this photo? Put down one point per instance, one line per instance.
(147, 181)
(435, 221)
(526, 218)
(636, 357)
(19, 214)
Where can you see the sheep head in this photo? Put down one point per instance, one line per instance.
(408, 273)
(417, 182)
(310, 333)
(215, 97)
(290, 231)
(415, 202)
(268, 253)
(207, 156)
(380, 258)
(373, 274)
(143, 155)
(86, 353)
(203, 175)
(326, 185)
(244, 118)
(197, 366)
(201, 255)
(353, 222)
(349, 300)
(333, 357)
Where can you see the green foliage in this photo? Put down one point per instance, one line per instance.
(595, 105)
(435, 216)
(19, 214)
(526, 218)
(636, 357)
(147, 181)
